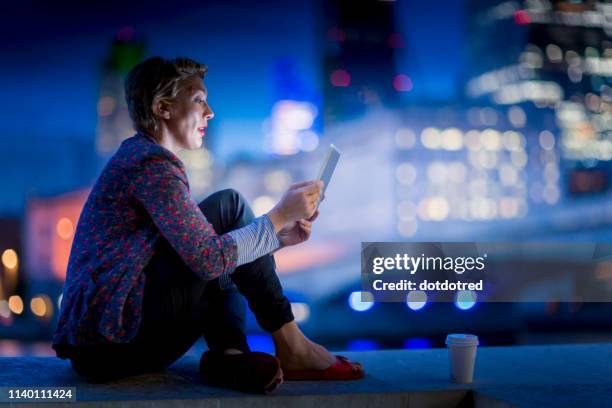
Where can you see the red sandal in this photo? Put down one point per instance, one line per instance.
(342, 370)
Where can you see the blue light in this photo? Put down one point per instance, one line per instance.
(261, 342)
(466, 299)
(417, 343)
(361, 301)
(362, 345)
(416, 300)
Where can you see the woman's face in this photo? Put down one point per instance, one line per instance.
(189, 115)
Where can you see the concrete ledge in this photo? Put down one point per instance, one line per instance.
(542, 376)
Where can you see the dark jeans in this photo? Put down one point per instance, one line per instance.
(179, 307)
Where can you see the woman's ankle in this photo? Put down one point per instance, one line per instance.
(289, 339)
(296, 352)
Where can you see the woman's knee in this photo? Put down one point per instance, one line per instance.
(228, 209)
(230, 196)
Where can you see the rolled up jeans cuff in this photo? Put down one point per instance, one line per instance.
(276, 317)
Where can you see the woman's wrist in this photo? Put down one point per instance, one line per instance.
(277, 219)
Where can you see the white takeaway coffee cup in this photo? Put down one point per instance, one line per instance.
(462, 354)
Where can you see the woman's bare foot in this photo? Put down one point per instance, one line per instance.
(296, 352)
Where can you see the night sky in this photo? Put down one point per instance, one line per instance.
(52, 52)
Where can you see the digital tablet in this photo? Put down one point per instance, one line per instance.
(327, 169)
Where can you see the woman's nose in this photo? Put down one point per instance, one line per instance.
(209, 114)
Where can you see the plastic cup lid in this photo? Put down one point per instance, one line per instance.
(458, 339)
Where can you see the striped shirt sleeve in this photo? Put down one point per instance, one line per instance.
(255, 240)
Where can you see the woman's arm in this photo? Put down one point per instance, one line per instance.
(255, 240)
(161, 187)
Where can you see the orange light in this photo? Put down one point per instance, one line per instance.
(9, 259)
(64, 228)
(38, 306)
(41, 306)
(15, 304)
(309, 255)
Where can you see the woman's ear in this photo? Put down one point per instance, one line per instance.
(160, 109)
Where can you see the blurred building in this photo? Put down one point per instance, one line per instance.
(114, 123)
(10, 252)
(359, 65)
(294, 124)
(33, 166)
(289, 129)
(455, 166)
(49, 229)
(556, 58)
(31, 282)
(358, 205)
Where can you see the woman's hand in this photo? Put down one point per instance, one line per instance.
(298, 203)
(297, 231)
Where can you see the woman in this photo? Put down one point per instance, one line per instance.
(151, 271)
